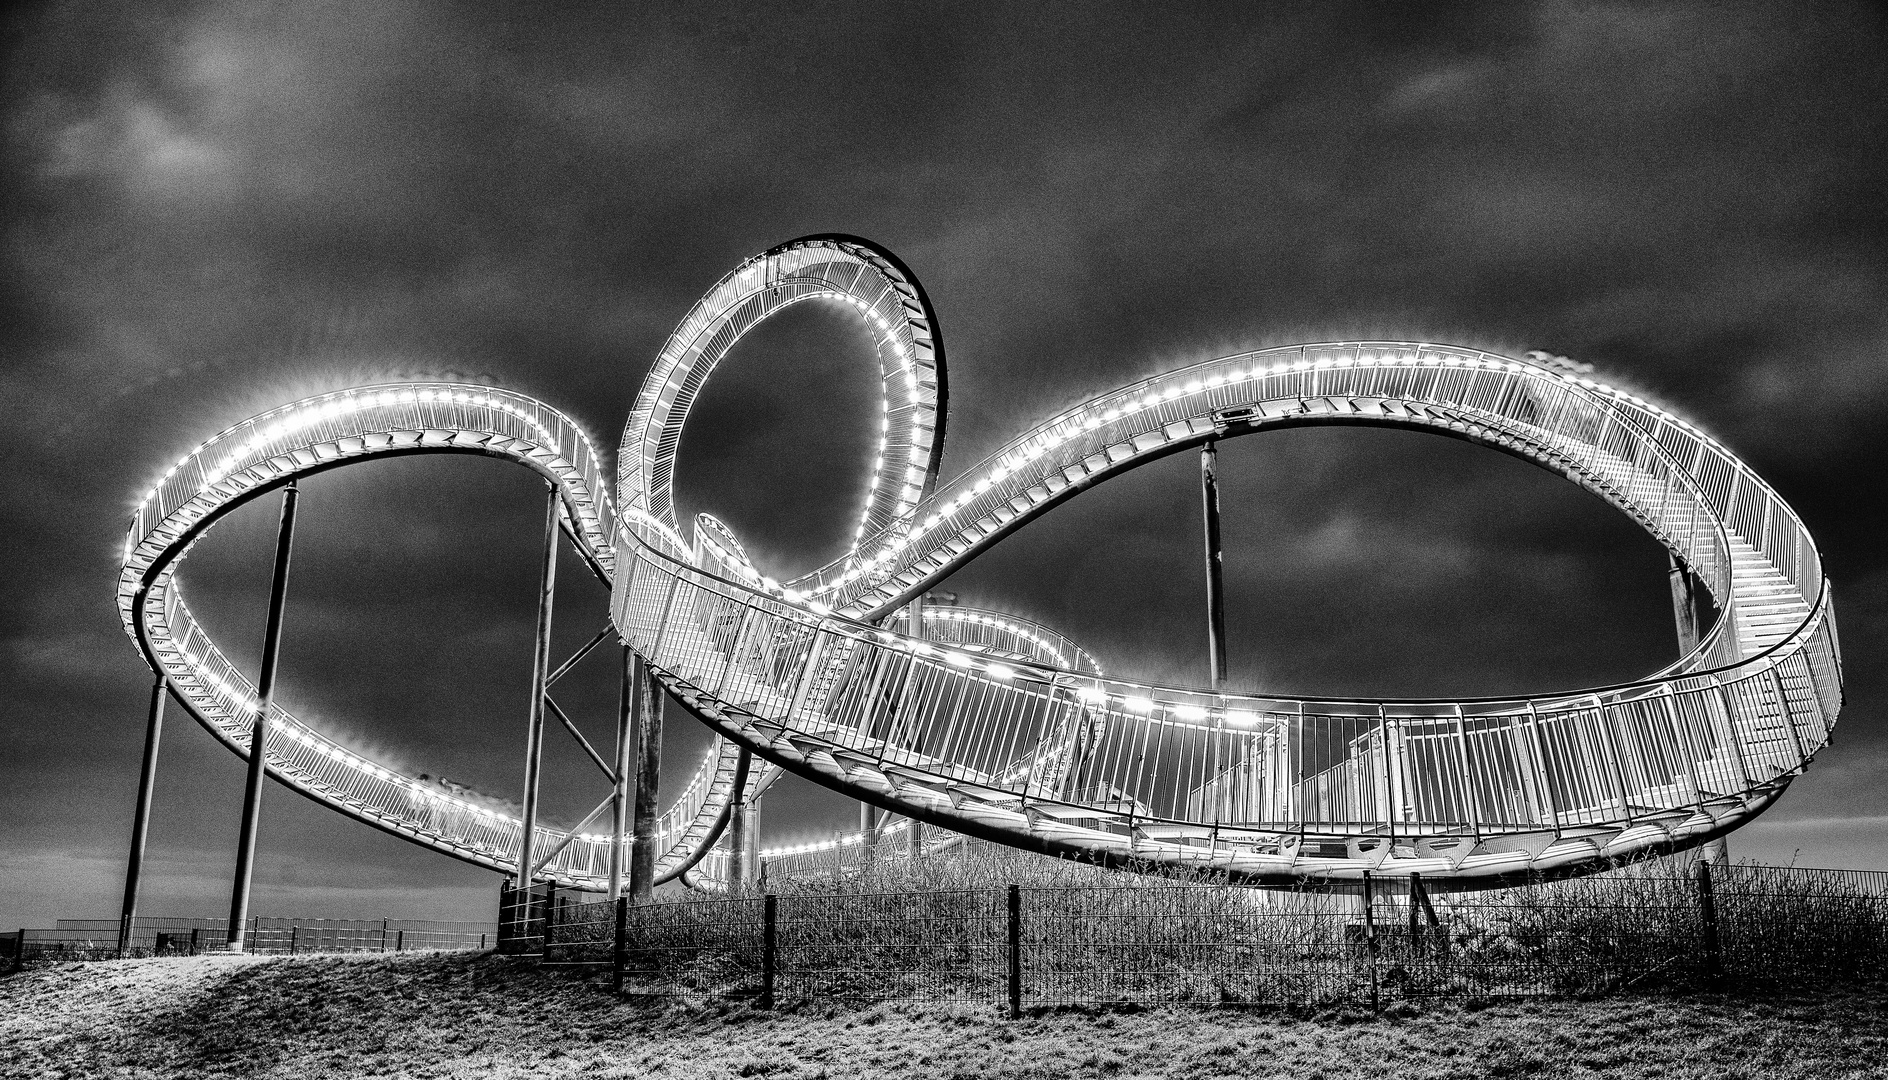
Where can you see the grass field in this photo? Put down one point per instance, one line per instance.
(454, 1015)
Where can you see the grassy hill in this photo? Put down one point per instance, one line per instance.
(454, 1015)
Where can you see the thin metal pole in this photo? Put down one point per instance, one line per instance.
(642, 852)
(141, 817)
(259, 731)
(540, 669)
(619, 808)
(1215, 585)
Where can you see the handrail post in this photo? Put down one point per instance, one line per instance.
(540, 667)
(141, 817)
(259, 731)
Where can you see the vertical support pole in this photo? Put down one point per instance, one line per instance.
(259, 731)
(293, 933)
(1215, 588)
(750, 849)
(1415, 928)
(914, 829)
(619, 952)
(642, 852)
(868, 827)
(540, 670)
(1016, 951)
(141, 817)
(1708, 925)
(738, 825)
(769, 950)
(1685, 588)
(548, 919)
(399, 941)
(619, 797)
(1370, 943)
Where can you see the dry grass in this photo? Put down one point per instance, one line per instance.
(461, 1015)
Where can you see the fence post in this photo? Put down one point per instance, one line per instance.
(1016, 951)
(1415, 935)
(293, 933)
(383, 935)
(1370, 943)
(769, 947)
(399, 942)
(194, 931)
(19, 952)
(619, 952)
(1708, 923)
(550, 905)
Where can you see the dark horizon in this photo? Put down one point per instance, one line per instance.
(221, 208)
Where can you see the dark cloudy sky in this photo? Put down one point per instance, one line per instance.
(214, 208)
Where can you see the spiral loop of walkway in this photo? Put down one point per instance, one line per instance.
(1000, 728)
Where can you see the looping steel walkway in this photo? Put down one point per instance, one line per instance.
(996, 727)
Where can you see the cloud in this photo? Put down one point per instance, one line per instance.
(219, 208)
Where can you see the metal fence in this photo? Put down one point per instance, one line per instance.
(1021, 947)
(95, 939)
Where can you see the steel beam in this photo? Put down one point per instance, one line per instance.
(141, 817)
(259, 731)
(1215, 586)
(540, 672)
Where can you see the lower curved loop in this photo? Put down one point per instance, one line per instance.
(313, 435)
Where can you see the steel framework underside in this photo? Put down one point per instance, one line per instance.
(1000, 728)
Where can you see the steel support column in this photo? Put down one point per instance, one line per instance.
(738, 825)
(1687, 595)
(540, 670)
(619, 807)
(1687, 600)
(648, 710)
(141, 817)
(259, 731)
(1215, 588)
(914, 829)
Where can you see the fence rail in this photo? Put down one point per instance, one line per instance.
(93, 939)
(1025, 946)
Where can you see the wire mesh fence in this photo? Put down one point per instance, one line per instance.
(1189, 943)
(98, 939)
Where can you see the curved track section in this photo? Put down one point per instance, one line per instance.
(310, 436)
(1275, 790)
(836, 268)
(1003, 729)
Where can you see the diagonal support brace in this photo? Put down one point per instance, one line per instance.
(571, 727)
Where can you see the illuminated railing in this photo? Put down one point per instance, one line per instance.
(1272, 787)
(308, 436)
